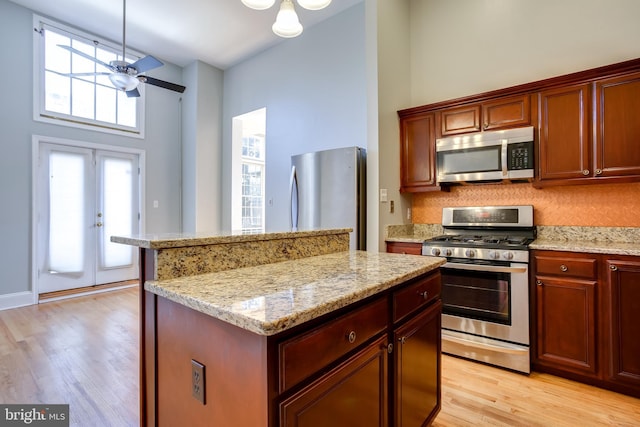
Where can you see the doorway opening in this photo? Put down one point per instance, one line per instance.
(84, 194)
(248, 172)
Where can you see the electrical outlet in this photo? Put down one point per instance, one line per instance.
(197, 381)
(392, 207)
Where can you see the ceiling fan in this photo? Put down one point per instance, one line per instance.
(125, 76)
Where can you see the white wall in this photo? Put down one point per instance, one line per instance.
(314, 89)
(463, 47)
(161, 144)
(201, 134)
(394, 92)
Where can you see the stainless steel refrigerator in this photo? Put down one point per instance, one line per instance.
(328, 190)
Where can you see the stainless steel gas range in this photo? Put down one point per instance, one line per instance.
(485, 283)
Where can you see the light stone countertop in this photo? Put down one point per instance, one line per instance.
(599, 240)
(271, 298)
(177, 240)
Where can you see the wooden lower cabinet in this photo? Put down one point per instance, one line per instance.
(586, 318)
(404, 248)
(374, 363)
(352, 394)
(417, 368)
(623, 276)
(567, 324)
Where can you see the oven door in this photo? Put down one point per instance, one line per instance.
(485, 300)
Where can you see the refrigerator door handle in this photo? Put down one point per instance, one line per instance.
(293, 200)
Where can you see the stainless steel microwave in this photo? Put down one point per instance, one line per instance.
(486, 156)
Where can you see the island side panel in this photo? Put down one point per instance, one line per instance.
(235, 360)
(147, 340)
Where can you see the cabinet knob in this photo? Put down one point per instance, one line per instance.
(98, 224)
(390, 348)
(424, 294)
(564, 268)
(613, 267)
(539, 282)
(402, 340)
(585, 172)
(486, 126)
(352, 337)
(598, 171)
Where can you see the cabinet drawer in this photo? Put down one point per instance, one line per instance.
(418, 294)
(306, 354)
(571, 267)
(404, 248)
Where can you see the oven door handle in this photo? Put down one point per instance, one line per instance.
(481, 267)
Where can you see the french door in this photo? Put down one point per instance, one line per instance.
(85, 196)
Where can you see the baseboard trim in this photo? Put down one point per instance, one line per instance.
(15, 300)
(87, 290)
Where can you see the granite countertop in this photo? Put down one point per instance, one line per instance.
(176, 240)
(604, 240)
(271, 298)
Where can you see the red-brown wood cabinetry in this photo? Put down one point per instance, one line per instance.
(417, 153)
(404, 248)
(586, 326)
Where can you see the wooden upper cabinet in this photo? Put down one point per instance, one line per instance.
(617, 151)
(505, 113)
(564, 133)
(417, 153)
(460, 120)
(500, 113)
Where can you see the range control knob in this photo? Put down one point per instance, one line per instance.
(493, 254)
(507, 255)
(435, 251)
(470, 253)
(448, 252)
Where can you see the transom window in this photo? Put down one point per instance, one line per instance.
(81, 100)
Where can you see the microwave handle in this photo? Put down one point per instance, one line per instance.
(505, 167)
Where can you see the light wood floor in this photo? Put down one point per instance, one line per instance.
(84, 351)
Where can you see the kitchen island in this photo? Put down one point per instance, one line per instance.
(307, 341)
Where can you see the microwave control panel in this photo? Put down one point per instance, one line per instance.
(520, 156)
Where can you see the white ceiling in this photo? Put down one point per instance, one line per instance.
(218, 32)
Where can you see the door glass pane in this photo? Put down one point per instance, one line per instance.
(66, 212)
(117, 210)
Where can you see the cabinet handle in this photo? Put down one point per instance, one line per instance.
(585, 172)
(486, 126)
(402, 340)
(539, 282)
(564, 268)
(352, 337)
(424, 294)
(613, 267)
(390, 348)
(598, 171)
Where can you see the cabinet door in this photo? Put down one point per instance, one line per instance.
(624, 285)
(352, 394)
(564, 133)
(566, 331)
(404, 248)
(460, 120)
(617, 150)
(417, 369)
(506, 113)
(417, 150)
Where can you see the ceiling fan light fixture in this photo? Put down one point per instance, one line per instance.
(287, 23)
(314, 4)
(258, 4)
(124, 81)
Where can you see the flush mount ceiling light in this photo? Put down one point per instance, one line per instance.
(287, 23)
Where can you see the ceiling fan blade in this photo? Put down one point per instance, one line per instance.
(84, 74)
(162, 84)
(84, 55)
(133, 93)
(145, 64)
